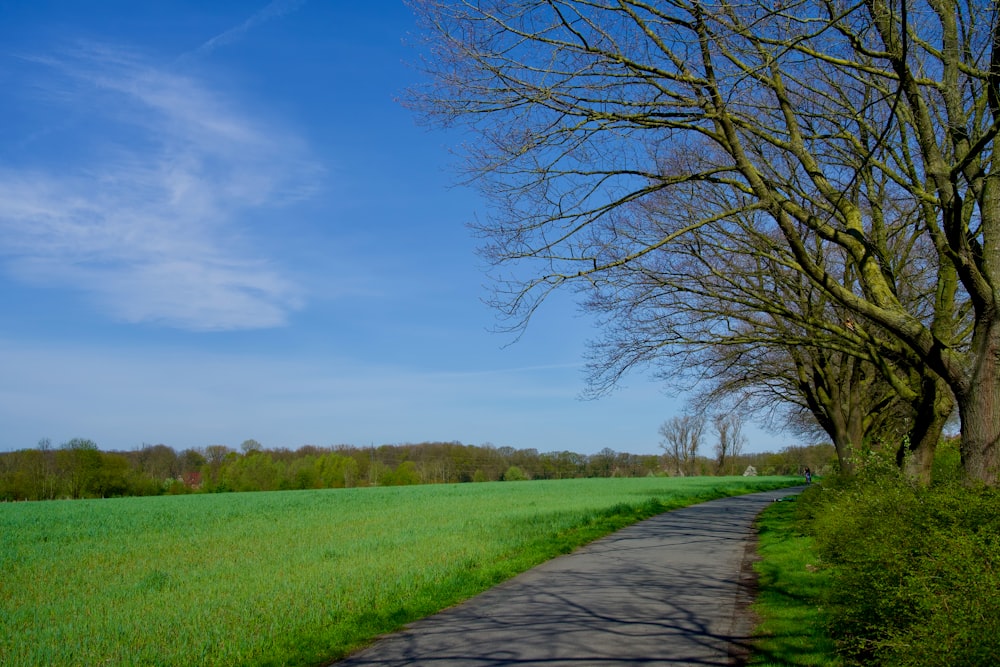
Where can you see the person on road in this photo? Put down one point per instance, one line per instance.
(809, 476)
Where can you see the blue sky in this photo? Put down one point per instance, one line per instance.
(217, 223)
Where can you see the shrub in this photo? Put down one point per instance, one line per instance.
(947, 465)
(514, 474)
(916, 571)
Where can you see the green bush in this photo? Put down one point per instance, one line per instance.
(916, 571)
(947, 465)
(514, 474)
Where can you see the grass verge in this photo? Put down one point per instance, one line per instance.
(791, 586)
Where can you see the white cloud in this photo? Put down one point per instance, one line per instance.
(143, 207)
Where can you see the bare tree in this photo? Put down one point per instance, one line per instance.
(729, 440)
(681, 439)
(50, 480)
(159, 462)
(765, 335)
(809, 124)
(215, 455)
(250, 447)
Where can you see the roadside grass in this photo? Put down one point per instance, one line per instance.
(791, 586)
(293, 577)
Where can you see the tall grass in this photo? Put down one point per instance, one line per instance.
(289, 578)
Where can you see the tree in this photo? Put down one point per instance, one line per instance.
(250, 446)
(49, 479)
(253, 472)
(160, 462)
(79, 463)
(21, 475)
(767, 339)
(405, 474)
(301, 472)
(730, 440)
(602, 464)
(211, 473)
(111, 478)
(810, 124)
(216, 454)
(564, 464)
(681, 439)
(337, 471)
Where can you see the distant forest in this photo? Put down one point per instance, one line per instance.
(79, 469)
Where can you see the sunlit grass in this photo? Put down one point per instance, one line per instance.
(288, 578)
(790, 588)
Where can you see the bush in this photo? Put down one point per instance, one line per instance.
(514, 474)
(947, 465)
(916, 571)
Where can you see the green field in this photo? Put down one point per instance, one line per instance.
(287, 578)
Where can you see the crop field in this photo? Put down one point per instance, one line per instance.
(292, 577)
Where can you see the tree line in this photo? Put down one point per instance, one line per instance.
(79, 469)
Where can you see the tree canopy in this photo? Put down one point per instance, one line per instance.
(728, 150)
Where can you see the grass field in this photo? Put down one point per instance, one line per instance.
(287, 578)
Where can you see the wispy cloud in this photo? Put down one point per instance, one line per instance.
(273, 10)
(144, 208)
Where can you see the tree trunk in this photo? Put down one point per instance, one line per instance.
(980, 410)
(846, 429)
(916, 455)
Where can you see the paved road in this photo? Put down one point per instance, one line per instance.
(666, 591)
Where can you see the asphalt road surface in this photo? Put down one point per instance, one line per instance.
(671, 590)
